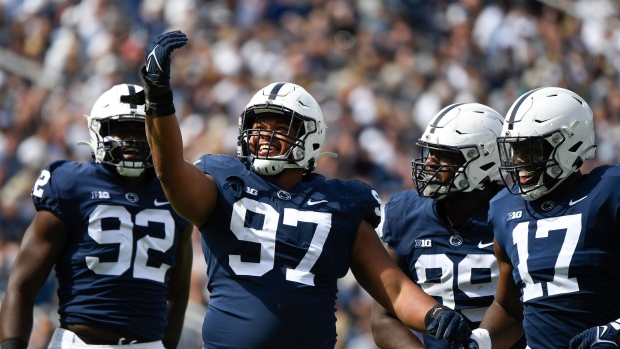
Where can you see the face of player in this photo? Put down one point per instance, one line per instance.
(445, 162)
(272, 135)
(132, 137)
(530, 156)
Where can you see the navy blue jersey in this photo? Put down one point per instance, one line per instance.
(121, 243)
(565, 253)
(457, 267)
(274, 256)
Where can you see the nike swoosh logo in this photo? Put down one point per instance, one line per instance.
(481, 245)
(148, 59)
(160, 203)
(604, 330)
(310, 202)
(571, 203)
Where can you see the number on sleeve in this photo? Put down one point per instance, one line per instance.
(41, 181)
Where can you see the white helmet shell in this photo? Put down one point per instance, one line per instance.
(290, 100)
(469, 129)
(108, 107)
(561, 118)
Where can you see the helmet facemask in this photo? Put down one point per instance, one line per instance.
(295, 136)
(437, 180)
(129, 156)
(117, 132)
(530, 164)
(552, 129)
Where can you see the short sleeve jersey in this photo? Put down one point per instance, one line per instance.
(120, 248)
(457, 267)
(565, 252)
(274, 256)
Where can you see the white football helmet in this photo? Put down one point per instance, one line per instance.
(306, 116)
(466, 129)
(107, 111)
(552, 128)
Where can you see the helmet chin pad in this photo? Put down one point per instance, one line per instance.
(128, 171)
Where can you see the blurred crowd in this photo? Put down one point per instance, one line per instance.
(380, 69)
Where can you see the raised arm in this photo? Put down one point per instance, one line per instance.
(389, 286)
(41, 245)
(387, 330)
(191, 192)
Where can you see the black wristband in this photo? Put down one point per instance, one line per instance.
(170, 344)
(13, 343)
(158, 99)
(433, 313)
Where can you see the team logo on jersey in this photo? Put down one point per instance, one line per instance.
(284, 195)
(420, 243)
(547, 205)
(514, 215)
(456, 240)
(132, 197)
(100, 195)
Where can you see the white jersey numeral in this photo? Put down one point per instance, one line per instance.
(41, 181)
(561, 283)
(444, 287)
(266, 237)
(123, 236)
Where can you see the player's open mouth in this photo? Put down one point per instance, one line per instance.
(266, 149)
(527, 177)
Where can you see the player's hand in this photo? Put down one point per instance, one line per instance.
(597, 337)
(480, 339)
(447, 324)
(157, 70)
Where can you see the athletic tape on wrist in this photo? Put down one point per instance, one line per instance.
(482, 337)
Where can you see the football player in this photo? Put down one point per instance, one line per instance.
(277, 237)
(557, 239)
(438, 233)
(121, 254)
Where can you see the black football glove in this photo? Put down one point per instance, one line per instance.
(597, 337)
(157, 96)
(447, 324)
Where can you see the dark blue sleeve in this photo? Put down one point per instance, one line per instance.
(388, 230)
(45, 193)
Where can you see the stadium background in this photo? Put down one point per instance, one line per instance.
(379, 68)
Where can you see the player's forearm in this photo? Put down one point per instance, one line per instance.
(388, 332)
(15, 317)
(166, 142)
(175, 318)
(504, 329)
(412, 305)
